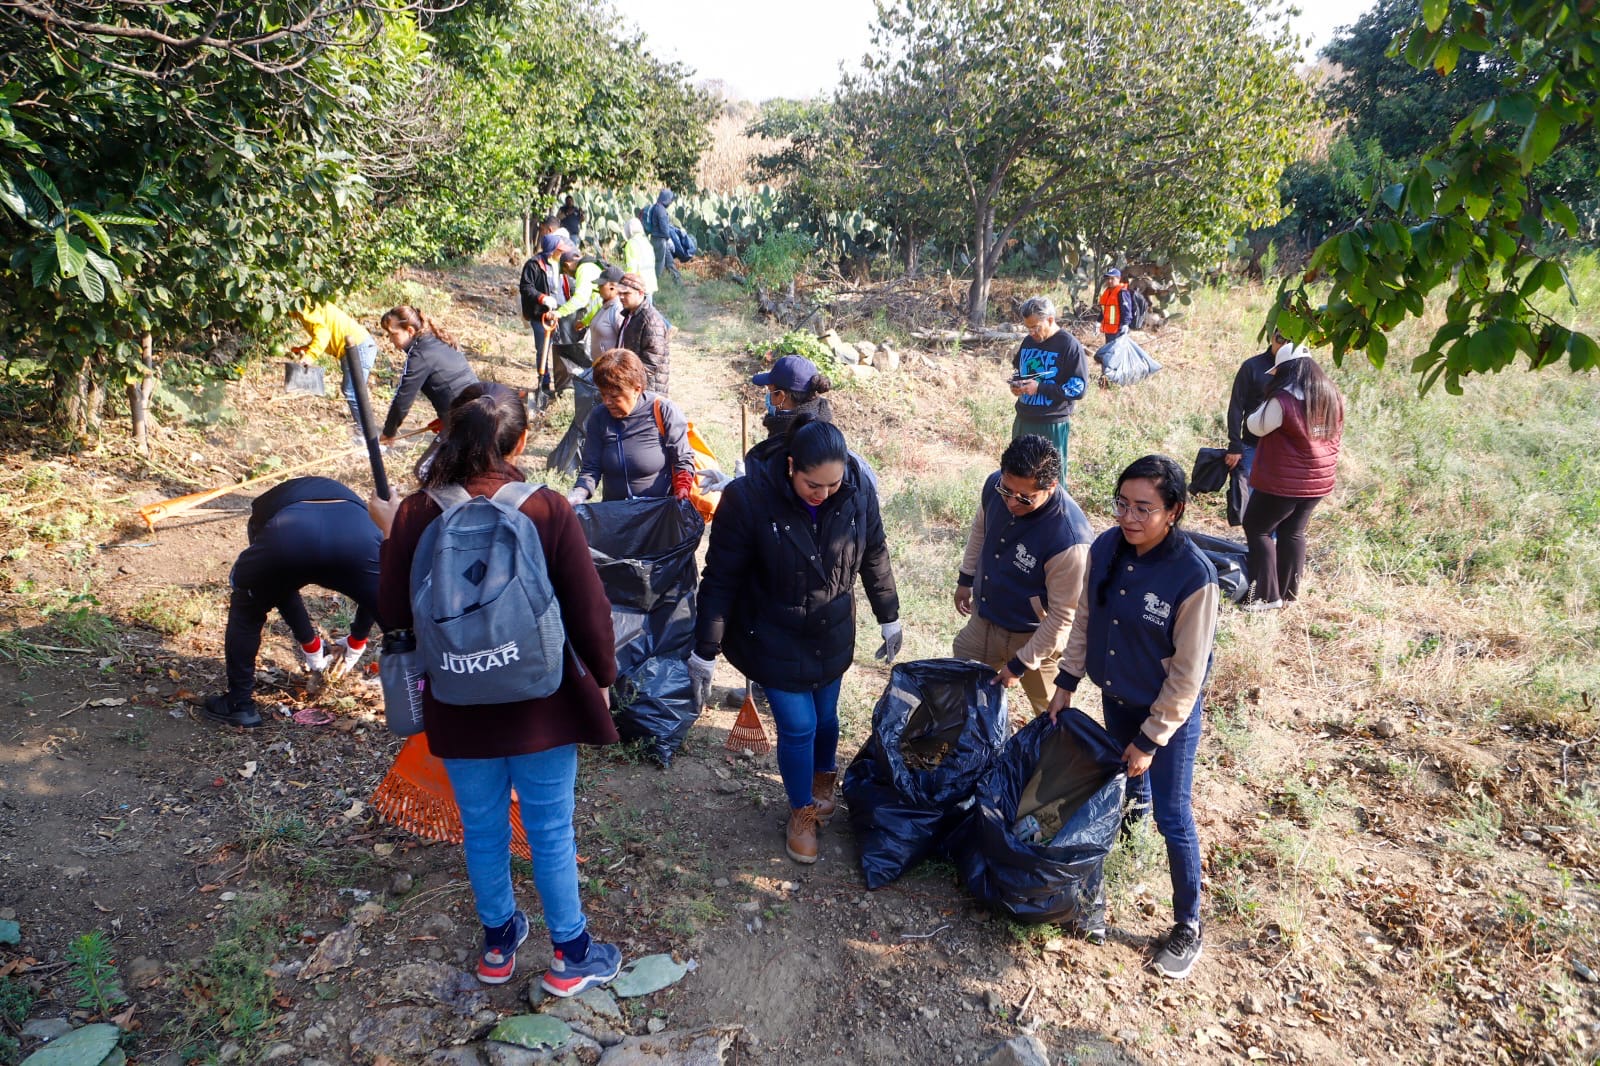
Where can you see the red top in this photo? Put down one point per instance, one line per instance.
(1290, 461)
(577, 712)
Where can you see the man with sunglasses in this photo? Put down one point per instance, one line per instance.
(1022, 570)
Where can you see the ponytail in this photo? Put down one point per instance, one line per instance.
(417, 321)
(483, 427)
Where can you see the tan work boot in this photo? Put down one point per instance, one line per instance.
(822, 794)
(802, 842)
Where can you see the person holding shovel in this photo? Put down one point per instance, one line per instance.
(306, 531)
(529, 744)
(791, 538)
(334, 334)
(434, 367)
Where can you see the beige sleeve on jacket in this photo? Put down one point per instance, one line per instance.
(1075, 657)
(974, 549)
(1063, 582)
(1193, 633)
(1265, 419)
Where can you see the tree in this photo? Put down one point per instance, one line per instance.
(1469, 216)
(988, 114)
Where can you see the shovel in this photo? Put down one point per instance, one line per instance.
(304, 379)
(352, 369)
(545, 394)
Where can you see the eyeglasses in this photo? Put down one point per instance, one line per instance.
(1125, 509)
(1024, 498)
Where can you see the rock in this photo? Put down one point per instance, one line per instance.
(438, 924)
(278, 1052)
(435, 982)
(1386, 728)
(733, 699)
(1022, 1050)
(698, 1047)
(465, 1055)
(1577, 967)
(230, 1052)
(593, 1013)
(368, 913)
(578, 1051)
(867, 350)
(1254, 1004)
(143, 972)
(400, 883)
(886, 360)
(858, 373)
(335, 952)
(400, 1033)
(1530, 836)
(46, 1029)
(721, 882)
(654, 1025)
(992, 1001)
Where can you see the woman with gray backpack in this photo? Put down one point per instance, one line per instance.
(513, 630)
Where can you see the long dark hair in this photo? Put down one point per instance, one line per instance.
(1173, 488)
(416, 321)
(810, 442)
(1324, 406)
(484, 424)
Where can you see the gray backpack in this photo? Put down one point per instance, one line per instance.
(487, 622)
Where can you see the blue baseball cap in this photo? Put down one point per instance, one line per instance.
(1113, 273)
(792, 373)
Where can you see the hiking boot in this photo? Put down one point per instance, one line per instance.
(822, 795)
(499, 959)
(1180, 952)
(245, 715)
(802, 842)
(599, 967)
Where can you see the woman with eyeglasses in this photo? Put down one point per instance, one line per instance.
(1299, 426)
(635, 443)
(1143, 632)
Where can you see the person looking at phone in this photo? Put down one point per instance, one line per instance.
(1051, 373)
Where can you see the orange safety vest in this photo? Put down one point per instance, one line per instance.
(1111, 309)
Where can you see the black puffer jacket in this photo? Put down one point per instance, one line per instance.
(434, 369)
(777, 595)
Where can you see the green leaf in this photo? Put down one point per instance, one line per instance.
(1583, 352)
(95, 228)
(1433, 12)
(1539, 139)
(1544, 275)
(1395, 196)
(1488, 348)
(13, 199)
(532, 1031)
(88, 1046)
(107, 268)
(1483, 115)
(44, 266)
(92, 284)
(112, 218)
(71, 253)
(1558, 212)
(46, 186)
(1349, 253)
(649, 974)
(1377, 349)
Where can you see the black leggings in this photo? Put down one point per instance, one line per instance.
(1275, 565)
(329, 543)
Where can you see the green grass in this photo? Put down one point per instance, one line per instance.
(228, 989)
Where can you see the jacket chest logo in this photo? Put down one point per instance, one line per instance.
(1156, 609)
(1025, 560)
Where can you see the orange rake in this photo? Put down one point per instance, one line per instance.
(415, 795)
(747, 734)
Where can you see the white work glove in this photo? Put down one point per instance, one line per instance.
(344, 658)
(577, 496)
(316, 661)
(713, 480)
(700, 671)
(893, 638)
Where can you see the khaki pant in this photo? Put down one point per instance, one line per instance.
(994, 647)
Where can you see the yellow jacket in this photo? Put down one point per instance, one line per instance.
(332, 331)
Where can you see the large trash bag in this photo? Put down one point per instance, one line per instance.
(567, 455)
(1229, 557)
(1064, 784)
(936, 729)
(1210, 471)
(644, 550)
(1123, 362)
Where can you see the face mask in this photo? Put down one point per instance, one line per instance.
(771, 410)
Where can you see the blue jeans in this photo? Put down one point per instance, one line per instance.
(366, 353)
(808, 737)
(544, 781)
(1170, 783)
(1247, 459)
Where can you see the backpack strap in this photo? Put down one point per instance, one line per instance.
(448, 496)
(514, 494)
(661, 425)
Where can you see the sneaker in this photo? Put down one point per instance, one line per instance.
(343, 658)
(802, 835)
(599, 967)
(1264, 605)
(499, 959)
(1180, 952)
(822, 786)
(245, 715)
(316, 661)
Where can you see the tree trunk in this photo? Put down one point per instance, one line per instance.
(79, 394)
(527, 231)
(139, 396)
(913, 251)
(983, 264)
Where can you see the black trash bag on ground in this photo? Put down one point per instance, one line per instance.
(1229, 557)
(1063, 783)
(936, 729)
(1123, 362)
(644, 550)
(567, 455)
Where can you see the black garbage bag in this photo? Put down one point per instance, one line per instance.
(1229, 557)
(644, 550)
(1063, 783)
(567, 455)
(1122, 362)
(1210, 471)
(936, 729)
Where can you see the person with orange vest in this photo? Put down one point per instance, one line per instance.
(1116, 305)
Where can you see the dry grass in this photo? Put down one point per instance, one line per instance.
(725, 166)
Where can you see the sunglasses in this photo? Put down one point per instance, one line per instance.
(1024, 498)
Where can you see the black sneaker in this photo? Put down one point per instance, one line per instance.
(1179, 954)
(246, 715)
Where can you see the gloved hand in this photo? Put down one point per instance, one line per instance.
(893, 638)
(316, 661)
(682, 483)
(713, 480)
(577, 496)
(700, 671)
(343, 658)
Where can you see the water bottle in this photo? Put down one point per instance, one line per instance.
(1028, 830)
(403, 676)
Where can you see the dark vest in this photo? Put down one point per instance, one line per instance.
(1011, 568)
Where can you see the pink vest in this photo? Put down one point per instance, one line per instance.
(1291, 462)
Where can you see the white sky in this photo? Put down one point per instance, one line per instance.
(767, 49)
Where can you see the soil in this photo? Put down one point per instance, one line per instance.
(122, 810)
